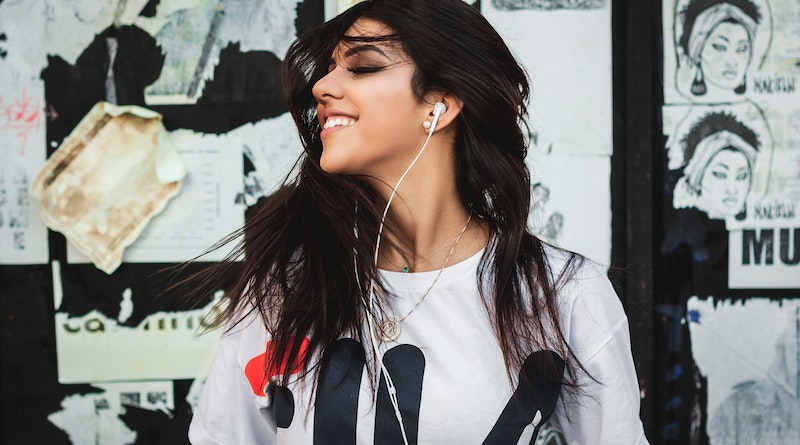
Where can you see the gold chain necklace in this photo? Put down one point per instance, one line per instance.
(407, 269)
(389, 328)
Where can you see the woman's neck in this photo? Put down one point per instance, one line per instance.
(427, 226)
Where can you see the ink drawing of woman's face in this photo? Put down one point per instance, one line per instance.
(725, 184)
(726, 56)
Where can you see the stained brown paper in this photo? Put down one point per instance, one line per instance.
(109, 177)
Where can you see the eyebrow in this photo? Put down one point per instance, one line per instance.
(723, 38)
(362, 48)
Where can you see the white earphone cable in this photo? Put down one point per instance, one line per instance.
(374, 304)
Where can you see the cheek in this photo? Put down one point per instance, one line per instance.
(744, 58)
(743, 186)
(712, 185)
(710, 58)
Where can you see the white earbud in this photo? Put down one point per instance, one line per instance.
(439, 108)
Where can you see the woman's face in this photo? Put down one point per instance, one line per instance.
(725, 184)
(725, 56)
(371, 118)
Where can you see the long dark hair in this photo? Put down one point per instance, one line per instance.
(298, 271)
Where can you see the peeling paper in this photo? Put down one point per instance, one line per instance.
(71, 25)
(165, 345)
(90, 419)
(208, 208)
(749, 353)
(192, 34)
(104, 183)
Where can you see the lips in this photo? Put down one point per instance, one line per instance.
(731, 202)
(730, 74)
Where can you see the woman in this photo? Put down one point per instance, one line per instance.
(403, 237)
(718, 38)
(720, 154)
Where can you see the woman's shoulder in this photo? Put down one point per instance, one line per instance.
(566, 267)
(588, 303)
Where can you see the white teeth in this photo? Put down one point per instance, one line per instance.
(338, 121)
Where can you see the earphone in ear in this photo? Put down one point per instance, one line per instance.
(439, 108)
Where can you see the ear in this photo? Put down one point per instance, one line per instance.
(453, 104)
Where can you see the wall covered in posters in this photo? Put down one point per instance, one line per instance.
(101, 356)
(93, 352)
(729, 271)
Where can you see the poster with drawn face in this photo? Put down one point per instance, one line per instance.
(731, 115)
(714, 49)
(720, 158)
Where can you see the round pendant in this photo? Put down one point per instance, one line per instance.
(389, 330)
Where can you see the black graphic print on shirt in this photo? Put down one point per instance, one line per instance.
(406, 366)
(336, 405)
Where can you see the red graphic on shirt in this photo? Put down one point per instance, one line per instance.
(261, 367)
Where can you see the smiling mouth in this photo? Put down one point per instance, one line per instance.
(338, 122)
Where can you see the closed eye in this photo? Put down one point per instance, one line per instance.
(365, 69)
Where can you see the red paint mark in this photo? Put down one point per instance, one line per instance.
(21, 116)
(260, 368)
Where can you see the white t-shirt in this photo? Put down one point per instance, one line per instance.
(451, 380)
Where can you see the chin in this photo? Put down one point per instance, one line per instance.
(335, 166)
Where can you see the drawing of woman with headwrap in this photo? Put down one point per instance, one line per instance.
(720, 155)
(718, 40)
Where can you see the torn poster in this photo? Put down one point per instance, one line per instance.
(194, 32)
(570, 104)
(273, 148)
(109, 177)
(23, 236)
(72, 24)
(97, 417)
(725, 50)
(568, 194)
(163, 346)
(207, 209)
(750, 353)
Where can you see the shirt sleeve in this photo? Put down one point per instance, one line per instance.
(229, 412)
(604, 408)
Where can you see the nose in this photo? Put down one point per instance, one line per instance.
(328, 87)
(732, 188)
